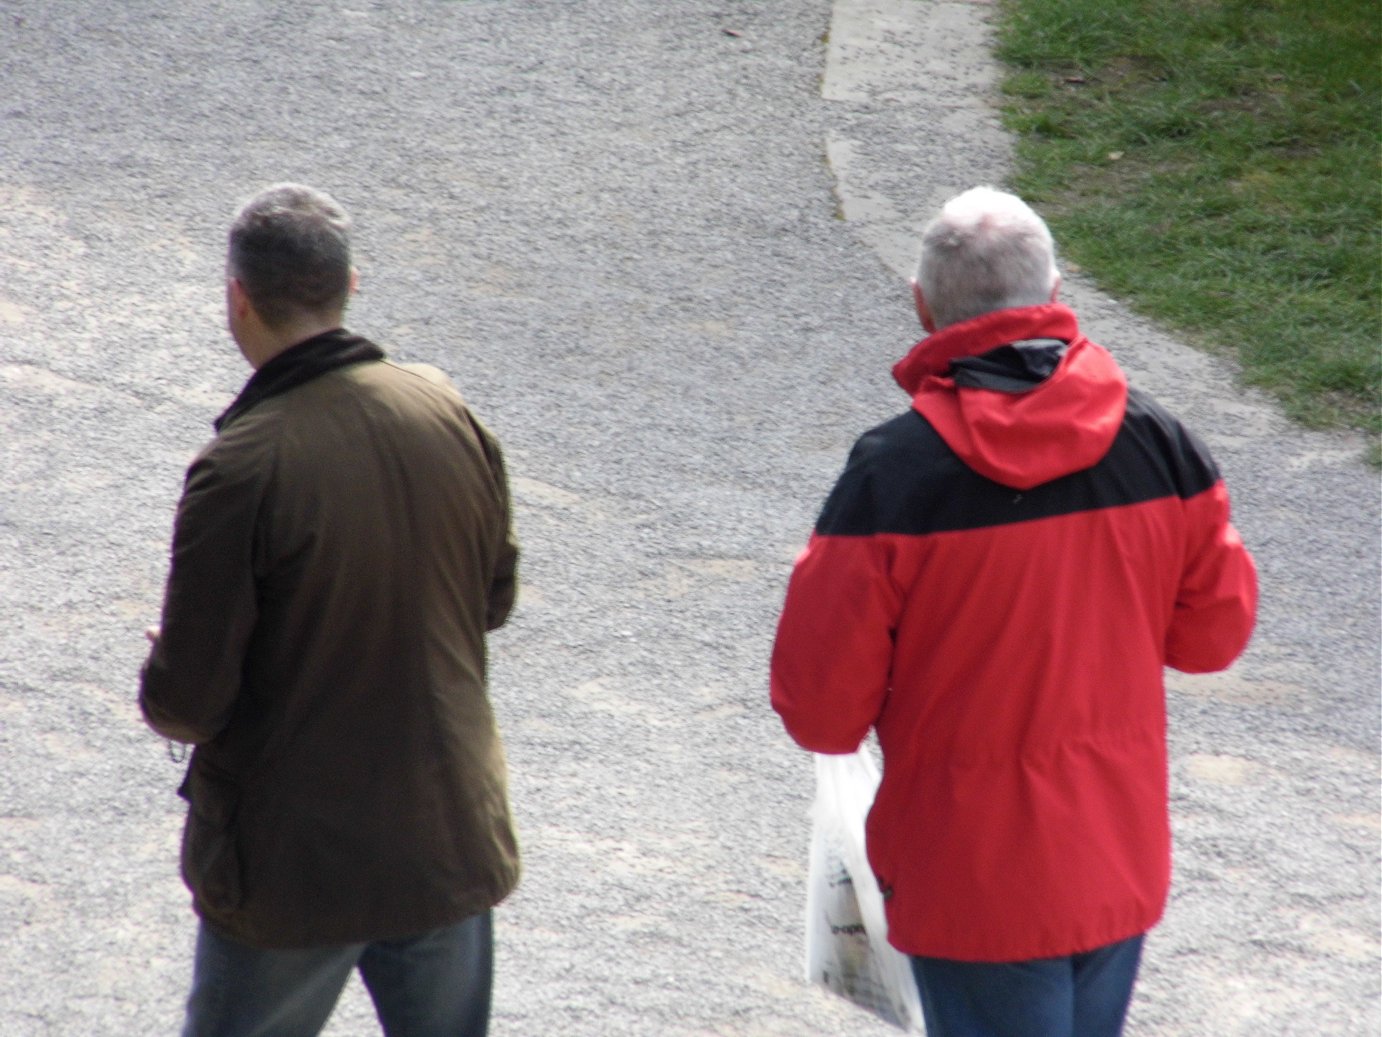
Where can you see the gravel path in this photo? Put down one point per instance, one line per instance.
(659, 244)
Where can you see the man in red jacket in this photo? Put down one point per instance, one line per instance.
(995, 585)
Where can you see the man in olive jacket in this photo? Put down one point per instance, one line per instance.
(340, 550)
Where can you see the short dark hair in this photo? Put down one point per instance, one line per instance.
(290, 251)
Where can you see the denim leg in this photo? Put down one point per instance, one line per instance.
(243, 991)
(1082, 995)
(434, 985)
(995, 999)
(1104, 980)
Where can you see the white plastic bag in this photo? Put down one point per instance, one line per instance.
(847, 949)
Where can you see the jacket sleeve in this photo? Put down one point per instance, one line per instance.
(190, 682)
(503, 586)
(832, 657)
(1216, 605)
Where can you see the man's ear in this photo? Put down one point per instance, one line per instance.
(354, 281)
(237, 298)
(928, 322)
(1055, 289)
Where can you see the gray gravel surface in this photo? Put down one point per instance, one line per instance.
(659, 243)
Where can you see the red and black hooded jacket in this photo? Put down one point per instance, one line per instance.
(995, 584)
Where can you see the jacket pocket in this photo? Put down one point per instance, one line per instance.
(210, 852)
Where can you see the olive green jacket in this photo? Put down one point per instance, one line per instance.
(340, 550)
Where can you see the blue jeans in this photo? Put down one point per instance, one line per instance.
(1082, 995)
(433, 985)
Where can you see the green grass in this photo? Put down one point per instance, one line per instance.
(1215, 163)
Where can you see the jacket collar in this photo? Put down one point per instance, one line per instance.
(298, 365)
(1018, 435)
(932, 355)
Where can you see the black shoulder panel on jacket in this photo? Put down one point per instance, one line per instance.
(901, 477)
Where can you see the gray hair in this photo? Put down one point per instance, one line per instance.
(290, 250)
(986, 251)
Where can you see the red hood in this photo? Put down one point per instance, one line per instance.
(1063, 425)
